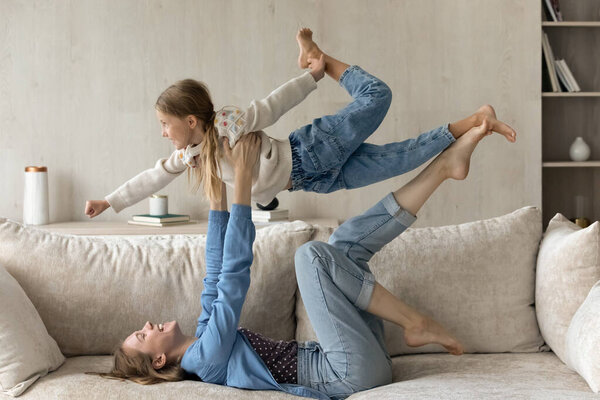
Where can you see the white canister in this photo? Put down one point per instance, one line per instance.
(159, 204)
(35, 198)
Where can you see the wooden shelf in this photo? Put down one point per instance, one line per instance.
(572, 24)
(563, 164)
(570, 94)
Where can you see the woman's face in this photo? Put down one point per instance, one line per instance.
(156, 339)
(176, 129)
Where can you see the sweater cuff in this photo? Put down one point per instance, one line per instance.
(307, 82)
(115, 202)
(241, 211)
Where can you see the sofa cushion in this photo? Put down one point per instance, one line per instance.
(426, 376)
(27, 352)
(583, 339)
(568, 266)
(91, 292)
(477, 279)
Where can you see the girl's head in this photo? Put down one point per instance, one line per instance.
(150, 355)
(186, 114)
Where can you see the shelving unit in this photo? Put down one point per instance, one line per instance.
(568, 115)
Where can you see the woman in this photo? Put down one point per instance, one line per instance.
(344, 302)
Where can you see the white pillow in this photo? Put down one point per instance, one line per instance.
(568, 265)
(27, 352)
(583, 340)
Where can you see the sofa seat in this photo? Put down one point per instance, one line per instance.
(423, 376)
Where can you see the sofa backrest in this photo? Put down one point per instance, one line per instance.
(91, 292)
(477, 279)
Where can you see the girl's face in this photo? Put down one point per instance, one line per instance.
(154, 339)
(176, 129)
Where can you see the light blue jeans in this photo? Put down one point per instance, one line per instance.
(330, 155)
(336, 285)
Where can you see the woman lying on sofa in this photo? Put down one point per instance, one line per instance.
(344, 302)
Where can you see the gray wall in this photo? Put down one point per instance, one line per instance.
(78, 80)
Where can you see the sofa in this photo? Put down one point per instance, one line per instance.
(523, 302)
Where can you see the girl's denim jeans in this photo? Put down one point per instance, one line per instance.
(330, 155)
(336, 285)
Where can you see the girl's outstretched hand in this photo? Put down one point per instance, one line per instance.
(244, 154)
(317, 67)
(95, 207)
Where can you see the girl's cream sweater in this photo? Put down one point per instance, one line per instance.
(273, 168)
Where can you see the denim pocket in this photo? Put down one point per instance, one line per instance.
(325, 152)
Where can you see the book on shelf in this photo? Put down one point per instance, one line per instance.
(570, 76)
(159, 224)
(552, 10)
(160, 218)
(269, 215)
(549, 57)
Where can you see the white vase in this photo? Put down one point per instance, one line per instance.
(579, 150)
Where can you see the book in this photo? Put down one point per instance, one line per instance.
(549, 56)
(269, 219)
(562, 75)
(557, 12)
(161, 218)
(269, 214)
(570, 76)
(159, 224)
(550, 11)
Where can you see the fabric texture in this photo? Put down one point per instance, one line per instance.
(582, 345)
(274, 166)
(476, 279)
(27, 352)
(532, 376)
(93, 292)
(568, 265)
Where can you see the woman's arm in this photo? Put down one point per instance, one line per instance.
(215, 238)
(217, 340)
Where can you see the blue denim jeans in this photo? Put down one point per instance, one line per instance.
(336, 285)
(330, 155)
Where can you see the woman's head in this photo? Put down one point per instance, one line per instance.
(151, 355)
(186, 114)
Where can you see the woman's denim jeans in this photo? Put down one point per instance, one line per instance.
(336, 285)
(330, 155)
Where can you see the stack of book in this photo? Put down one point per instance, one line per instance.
(558, 70)
(263, 216)
(159, 220)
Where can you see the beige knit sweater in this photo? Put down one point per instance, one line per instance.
(273, 169)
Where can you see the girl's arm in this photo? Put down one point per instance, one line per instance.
(217, 340)
(218, 216)
(146, 183)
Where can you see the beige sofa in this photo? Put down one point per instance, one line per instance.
(478, 279)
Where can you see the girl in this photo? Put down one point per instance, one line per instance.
(321, 157)
(344, 302)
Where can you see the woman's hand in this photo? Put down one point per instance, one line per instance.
(95, 207)
(243, 157)
(317, 67)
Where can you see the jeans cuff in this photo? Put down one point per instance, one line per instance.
(366, 291)
(447, 133)
(396, 211)
(346, 72)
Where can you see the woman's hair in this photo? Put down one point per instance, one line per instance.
(137, 367)
(190, 97)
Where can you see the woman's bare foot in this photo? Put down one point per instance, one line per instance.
(456, 159)
(428, 331)
(487, 112)
(308, 48)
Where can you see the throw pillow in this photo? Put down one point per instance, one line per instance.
(583, 340)
(27, 352)
(568, 266)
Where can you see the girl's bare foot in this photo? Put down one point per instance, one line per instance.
(456, 159)
(308, 48)
(487, 111)
(428, 331)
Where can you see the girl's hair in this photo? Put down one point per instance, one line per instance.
(137, 367)
(190, 97)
